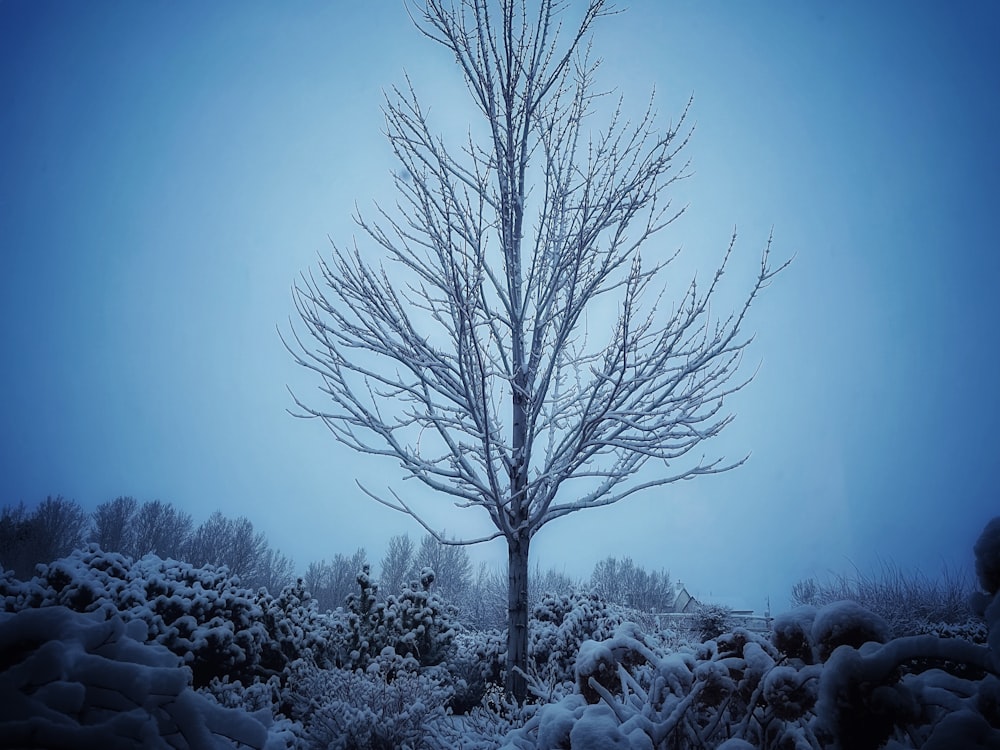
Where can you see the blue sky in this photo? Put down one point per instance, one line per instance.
(168, 169)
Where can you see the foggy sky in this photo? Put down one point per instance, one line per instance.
(167, 170)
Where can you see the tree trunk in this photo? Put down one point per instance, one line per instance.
(517, 616)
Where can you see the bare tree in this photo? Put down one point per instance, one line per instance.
(59, 526)
(330, 583)
(231, 542)
(396, 564)
(625, 583)
(52, 530)
(450, 563)
(18, 548)
(160, 528)
(114, 525)
(274, 571)
(490, 362)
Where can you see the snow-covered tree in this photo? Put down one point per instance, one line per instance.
(516, 356)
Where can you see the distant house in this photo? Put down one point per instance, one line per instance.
(685, 606)
(683, 601)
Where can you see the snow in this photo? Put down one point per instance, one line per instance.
(593, 659)
(963, 729)
(100, 650)
(556, 721)
(790, 692)
(76, 679)
(791, 633)
(846, 623)
(597, 729)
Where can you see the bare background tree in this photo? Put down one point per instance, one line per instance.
(477, 359)
(161, 528)
(331, 582)
(114, 525)
(57, 526)
(625, 583)
(54, 528)
(451, 566)
(396, 564)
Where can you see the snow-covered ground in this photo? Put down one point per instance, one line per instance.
(99, 650)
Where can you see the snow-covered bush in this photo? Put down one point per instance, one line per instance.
(559, 625)
(294, 622)
(868, 698)
(791, 633)
(203, 615)
(711, 621)
(476, 668)
(632, 694)
(846, 623)
(910, 602)
(74, 680)
(393, 703)
(416, 623)
(237, 643)
(986, 603)
(829, 678)
(419, 623)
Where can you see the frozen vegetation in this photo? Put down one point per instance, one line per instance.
(99, 649)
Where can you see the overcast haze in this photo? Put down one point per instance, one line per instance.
(167, 170)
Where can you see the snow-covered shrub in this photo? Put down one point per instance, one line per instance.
(295, 623)
(910, 602)
(74, 680)
(632, 694)
(482, 728)
(419, 623)
(416, 623)
(711, 621)
(475, 668)
(558, 626)
(790, 692)
(867, 698)
(221, 630)
(846, 623)
(393, 703)
(741, 690)
(791, 633)
(359, 627)
(872, 694)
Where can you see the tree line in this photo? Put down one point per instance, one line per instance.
(125, 525)
(57, 526)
